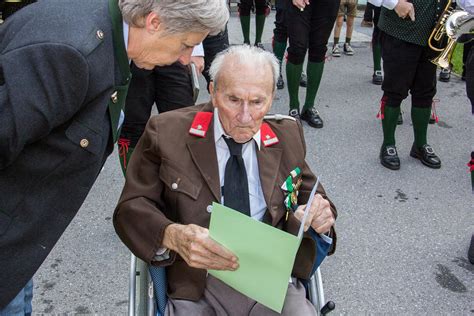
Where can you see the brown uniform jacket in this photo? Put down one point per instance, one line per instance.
(173, 176)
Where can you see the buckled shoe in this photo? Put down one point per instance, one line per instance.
(295, 113)
(389, 157)
(280, 83)
(377, 77)
(311, 116)
(426, 155)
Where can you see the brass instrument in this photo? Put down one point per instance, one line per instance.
(456, 24)
(437, 38)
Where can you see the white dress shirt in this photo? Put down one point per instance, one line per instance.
(389, 4)
(249, 155)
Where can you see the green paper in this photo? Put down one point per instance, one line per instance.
(266, 256)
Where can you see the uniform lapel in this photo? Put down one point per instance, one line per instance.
(268, 166)
(203, 154)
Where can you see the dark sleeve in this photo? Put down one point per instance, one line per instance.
(138, 219)
(44, 86)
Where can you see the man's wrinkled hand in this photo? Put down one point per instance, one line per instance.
(404, 9)
(320, 216)
(198, 61)
(194, 245)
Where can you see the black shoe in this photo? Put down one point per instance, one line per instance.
(280, 83)
(400, 118)
(445, 74)
(470, 252)
(389, 157)
(426, 155)
(377, 77)
(303, 80)
(312, 117)
(432, 120)
(295, 113)
(260, 45)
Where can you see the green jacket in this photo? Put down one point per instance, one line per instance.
(427, 13)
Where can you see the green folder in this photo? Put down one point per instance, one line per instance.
(266, 256)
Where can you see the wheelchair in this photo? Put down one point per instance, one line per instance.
(147, 290)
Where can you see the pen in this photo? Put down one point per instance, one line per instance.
(306, 210)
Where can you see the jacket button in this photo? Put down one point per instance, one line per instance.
(84, 143)
(100, 34)
(114, 97)
(209, 209)
(174, 186)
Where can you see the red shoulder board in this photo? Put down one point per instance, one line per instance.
(200, 124)
(267, 136)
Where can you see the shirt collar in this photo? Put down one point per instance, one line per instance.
(219, 130)
(126, 28)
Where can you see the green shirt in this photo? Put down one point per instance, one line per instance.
(417, 32)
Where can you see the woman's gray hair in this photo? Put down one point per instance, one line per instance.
(179, 16)
(245, 55)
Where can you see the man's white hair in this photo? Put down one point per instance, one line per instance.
(179, 16)
(245, 55)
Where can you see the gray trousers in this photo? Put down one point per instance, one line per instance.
(221, 300)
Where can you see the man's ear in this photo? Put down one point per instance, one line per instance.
(153, 22)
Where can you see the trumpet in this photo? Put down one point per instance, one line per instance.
(452, 25)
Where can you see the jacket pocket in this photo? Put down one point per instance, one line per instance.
(177, 180)
(85, 137)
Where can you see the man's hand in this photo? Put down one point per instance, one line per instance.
(194, 245)
(320, 216)
(300, 4)
(198, 61)
(404, 9)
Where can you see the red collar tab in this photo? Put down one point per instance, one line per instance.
(200, 124)
(267, 136)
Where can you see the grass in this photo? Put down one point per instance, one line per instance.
(457, 59)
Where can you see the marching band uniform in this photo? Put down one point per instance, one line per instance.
(308, 30)
(407, 67)
(175, 175)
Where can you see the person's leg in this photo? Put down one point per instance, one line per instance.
(261, 12)
(400, 60)
(337, 33)
(212, 46)
(280, 37)
(465, 53)
(298, 33)
(21, 304)
(244, 14)
(139, 101)
(324, 13)
(351, 14)
(423, 90)
(173, 87)
(377, 75)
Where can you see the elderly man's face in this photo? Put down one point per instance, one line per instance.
(243, 96)
(151, 46)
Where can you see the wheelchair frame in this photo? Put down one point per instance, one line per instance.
(141, 285)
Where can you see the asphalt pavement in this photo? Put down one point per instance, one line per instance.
(402, 235)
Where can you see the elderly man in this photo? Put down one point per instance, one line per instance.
(220, 151)
(65, 71)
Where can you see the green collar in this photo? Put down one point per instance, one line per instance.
(119, 45)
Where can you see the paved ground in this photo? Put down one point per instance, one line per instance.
(403, 235)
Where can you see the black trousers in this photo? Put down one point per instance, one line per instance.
(407, 67)
(212, 46)
(168, 87)
(310, 30)
(261, 7)
(469, 65)
(280, 32)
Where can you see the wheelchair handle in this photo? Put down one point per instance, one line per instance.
(328, 307)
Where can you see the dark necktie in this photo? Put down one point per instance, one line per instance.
(236, 187)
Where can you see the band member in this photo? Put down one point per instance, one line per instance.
(262, 10)
(407, 67)
(309, 27)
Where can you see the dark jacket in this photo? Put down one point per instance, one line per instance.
(59, 74)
